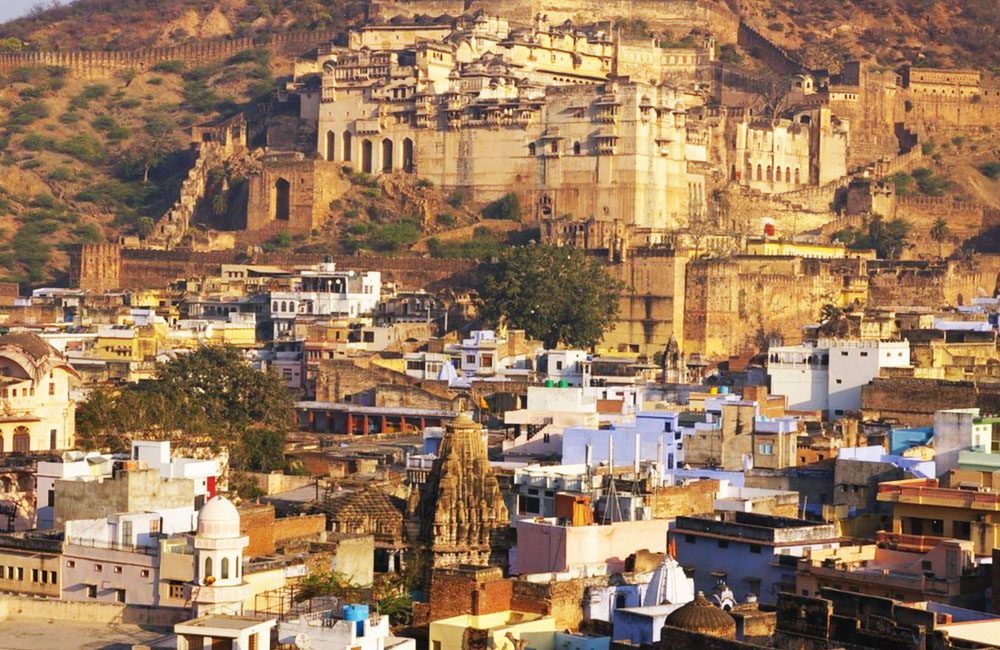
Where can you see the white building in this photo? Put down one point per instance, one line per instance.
(75, 465)
(204, 473)
(218, 631)
(324, 291)
(958, 430)
(828, 375)
(353, 629)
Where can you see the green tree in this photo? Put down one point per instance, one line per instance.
(144, 226)
(212, 392)
(507, 207)
(156, 141)
(940, 232)
(557, 295)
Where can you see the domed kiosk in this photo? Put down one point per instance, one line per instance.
(702, 616)
(218, 564)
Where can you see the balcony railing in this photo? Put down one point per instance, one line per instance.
(917, 543)
(926, 492)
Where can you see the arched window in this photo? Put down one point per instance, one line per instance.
(274, 306)
(760, 177)
(408, 155)
(797, 176)
(282, 196)
(531, 148)
(224, 573)
(387, 155)
(620, 601)
(208, 566)
(576, 148)
(788, 174)
(770, 174)
(236, 567)
(366, 156)
(345, 141)
(331, 146)
(22, 440)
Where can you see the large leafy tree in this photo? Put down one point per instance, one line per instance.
(557, 295)
(212, 392)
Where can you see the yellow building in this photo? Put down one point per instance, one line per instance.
(778, 247)
(451, 633)
(35, 381)
(923, 512)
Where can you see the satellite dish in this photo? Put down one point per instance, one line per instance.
(302, 641)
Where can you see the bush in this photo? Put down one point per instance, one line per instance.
(84, 148)
(169, 67)
(927, 147)
(28, 113)
(95, 91)
(199, 97)
(903, 183)
(60, 174)
(425, 182)
(155, 81)
(129, 104)
(456, 198)
(990, 170)
(24, 74)
(37, 142)
(728, 54)
(930, 184)
(506, 207)
(259, 56)
(446, 220)
(70, 118)
(390, 237)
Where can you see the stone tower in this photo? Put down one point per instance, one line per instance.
(460, 508)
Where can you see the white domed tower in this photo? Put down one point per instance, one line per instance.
(218, 560)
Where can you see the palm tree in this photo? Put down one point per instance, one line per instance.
(940, 232)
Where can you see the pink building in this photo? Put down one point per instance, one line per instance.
(543, 546)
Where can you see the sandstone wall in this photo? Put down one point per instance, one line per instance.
(88, 65)
(98, 267)
(652, 307)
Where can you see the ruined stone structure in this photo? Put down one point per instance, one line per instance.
(290, 193)
(460, 511)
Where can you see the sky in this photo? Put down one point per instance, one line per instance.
(15, 8)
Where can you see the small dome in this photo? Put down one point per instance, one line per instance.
(218, 519)
(702, 616)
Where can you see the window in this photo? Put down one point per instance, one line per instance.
(52, 388)
(766, 449)
(208, 566)
(119, 595)
(840, 381)
(52, 439)
(864, 354)
(176, 589)
(70, 564)
(470, 358)
(252, 642)
(91, 591)
(126, 537)
(225, 568)
(755, 548)
(435, 645)
(154, 527)
(34, 575)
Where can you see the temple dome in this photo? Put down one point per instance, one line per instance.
(218, 519)
(702, 616)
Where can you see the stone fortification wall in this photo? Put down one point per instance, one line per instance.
(774, 56)
(663, 14)
(100, 267)
(919, 284)
(93, 64)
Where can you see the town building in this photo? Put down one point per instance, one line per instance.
(351, 628)
(751, 553)
(35, 384)
(827, 376)
(947, 573)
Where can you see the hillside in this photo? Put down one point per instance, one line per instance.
(131, 24)
(824, 33)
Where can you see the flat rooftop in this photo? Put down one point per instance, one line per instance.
(33, 634)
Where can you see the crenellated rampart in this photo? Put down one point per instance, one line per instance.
(94, 64)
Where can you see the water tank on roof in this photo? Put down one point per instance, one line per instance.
(723, 390)
(549, 383)
(358, 614)
(563, 383)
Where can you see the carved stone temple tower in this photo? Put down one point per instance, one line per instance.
(462, 515)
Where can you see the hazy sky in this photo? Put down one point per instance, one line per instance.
(14, 8)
